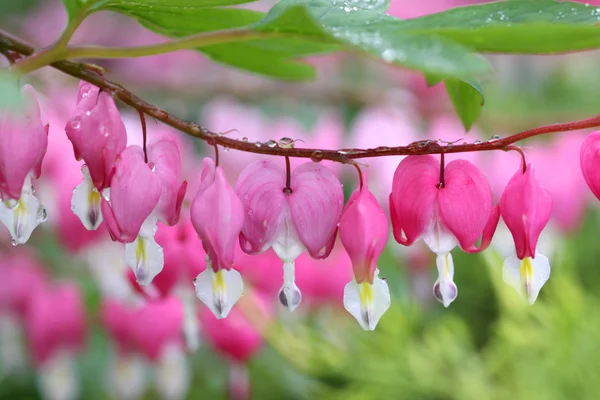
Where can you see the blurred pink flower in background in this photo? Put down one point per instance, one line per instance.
(386, 126)
(323, 281)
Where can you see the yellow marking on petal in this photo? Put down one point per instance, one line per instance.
(447, 267)
(366, 294)
(218, 283)
(526, 272)
(94, 197)
(140, 251)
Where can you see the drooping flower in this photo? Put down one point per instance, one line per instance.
(456, 212)
(134, 193)
(22, 277)
(164, 157)
(147, 334)
(590, 160)
(56, 331)
(157, 332)
(218, 216)
(238, 340)
(98, 137)
(290, 220)
(126, 372)
(22, 148)
(364, 233)
(526, 207)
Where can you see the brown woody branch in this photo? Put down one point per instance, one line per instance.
(94, 75)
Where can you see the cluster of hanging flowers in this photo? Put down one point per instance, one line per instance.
(274, 207)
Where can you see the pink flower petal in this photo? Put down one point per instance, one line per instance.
(316, 204)
(412, 201)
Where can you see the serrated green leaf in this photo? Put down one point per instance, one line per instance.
(467, 98)
(525, 26)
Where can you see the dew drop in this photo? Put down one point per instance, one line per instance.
(271, 143)
(258, 144)
(226, 149)
(76, 123)
(317, 156)
(13, 242)
(42, 214)
(245, 139)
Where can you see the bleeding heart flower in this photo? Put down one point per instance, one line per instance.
(526, 207)
(303, 216)
(22, 148)
(164, 158)
(134, 193)
(218, 216)
(456, 212)
(590, 160)
(364, 233)
(98, 137)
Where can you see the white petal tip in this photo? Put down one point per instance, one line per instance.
(220, 290)
(290, 296)
(86, 202)
(22, 216)
(444, 288)
(146, 258)
(367, 302)
(527, 276)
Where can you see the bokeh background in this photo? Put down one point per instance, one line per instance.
(64, 295)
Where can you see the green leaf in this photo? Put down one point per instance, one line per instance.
(432, 80)
(525, 26)
(72, 7)
(363, 25)
(467, 98)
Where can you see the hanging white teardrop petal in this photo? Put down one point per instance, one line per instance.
(527, 276)
(444, 289)
(127, 376)
(220, 290)
(367, 302)
(86, 202)
(172, 373)
(289, 294)
(22, 216)
(144, 255)
(57, 377)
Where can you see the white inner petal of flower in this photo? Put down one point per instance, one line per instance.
(22, 216)
(220, 290)
(438, 237)
(287, 244)
(86, 202)
(527, 276)
(367, 302)
(57, 377)
(172, 373)
(144, 255)
(444, 289)
(127, 376)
